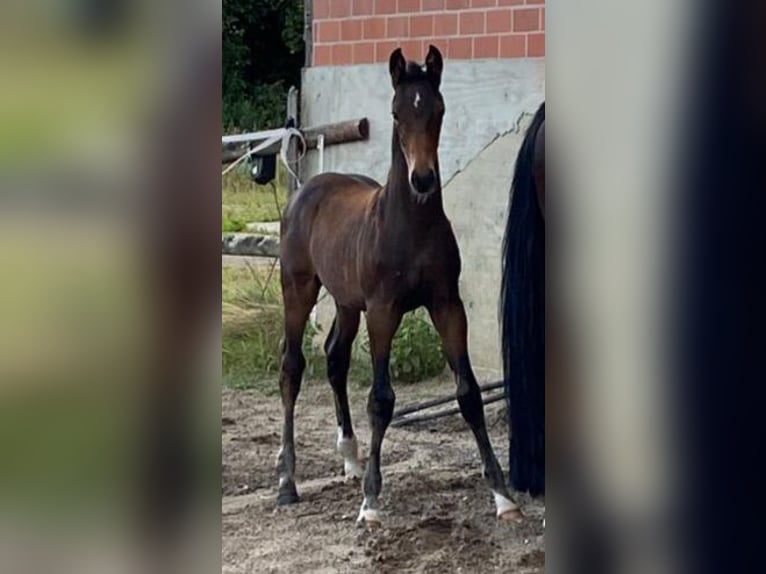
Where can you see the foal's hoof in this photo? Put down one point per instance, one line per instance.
(513, 515)
(352, 471)
(507, 510)
(287, 495)
(370, 518)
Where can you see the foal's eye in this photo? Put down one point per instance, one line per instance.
(396, 118)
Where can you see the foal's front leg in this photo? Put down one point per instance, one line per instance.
(381, 325)
(450, 321)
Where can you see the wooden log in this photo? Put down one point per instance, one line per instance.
(250, 244)
(338, 133)
(441, 400)
(334, 134)
(422, 418)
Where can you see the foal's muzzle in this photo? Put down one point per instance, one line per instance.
(423, 181)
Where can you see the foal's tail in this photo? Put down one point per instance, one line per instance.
(523, 321)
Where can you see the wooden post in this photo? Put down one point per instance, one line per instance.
(292, 150)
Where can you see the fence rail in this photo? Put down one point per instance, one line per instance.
(338, 133)
(250, 244)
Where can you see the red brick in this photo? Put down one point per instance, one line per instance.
(471, 23)
(445, 24)
(526, 20)
(421, 26)
(513, 46)
(361, 7)
(441, 43)
(535, 1)
(498, 21)
(341, 54)
(374, 28)
(536, 45)
(486, 46)
(457, 4)
(542, 19)
(405, 6)
(350, 30)
(413, 50)
(385, 6)
(483, 3)
(460, 49)
(510, 2)
(340, 8)
(383, 50)
(398, 27)
(433, 5)
(364, 53)
(321, 9)
(329, 31)
(322, 55)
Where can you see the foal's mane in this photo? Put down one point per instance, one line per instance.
(413, 73)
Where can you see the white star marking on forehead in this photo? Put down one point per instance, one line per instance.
(417, 99)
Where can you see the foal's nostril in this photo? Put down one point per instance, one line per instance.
(424, 181)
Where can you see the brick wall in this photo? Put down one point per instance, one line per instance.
(366, 31)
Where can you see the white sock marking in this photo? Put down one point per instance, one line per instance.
(348, 448)
(503, 504)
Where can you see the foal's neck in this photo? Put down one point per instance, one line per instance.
(397, 196)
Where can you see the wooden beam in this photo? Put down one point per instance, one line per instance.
(334, 134)
(250, 244)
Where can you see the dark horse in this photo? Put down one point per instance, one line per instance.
(523, 312)
(384, 250)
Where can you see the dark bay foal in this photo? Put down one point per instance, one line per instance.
(385, 251)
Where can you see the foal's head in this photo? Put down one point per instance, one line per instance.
(418, 108)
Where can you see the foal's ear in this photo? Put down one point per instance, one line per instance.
(434, 65)
(396, 66)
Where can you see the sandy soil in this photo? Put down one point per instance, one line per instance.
(439, 514)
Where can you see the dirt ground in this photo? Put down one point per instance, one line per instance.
(438, 512)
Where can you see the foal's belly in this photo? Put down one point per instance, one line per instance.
(341, 282)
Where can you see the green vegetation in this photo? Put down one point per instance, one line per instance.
(252, 332)
(252, 327)
(243, 201)
(416, 352)
(262, 57)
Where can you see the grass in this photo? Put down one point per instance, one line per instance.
(243, 201)
(252, 316)
(252, 322)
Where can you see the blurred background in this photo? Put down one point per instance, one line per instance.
(109, 328)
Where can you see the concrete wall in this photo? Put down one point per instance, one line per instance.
(489, 104)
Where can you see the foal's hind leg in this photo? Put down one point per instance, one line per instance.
(450, 321)
(338, 349)
(299, 298)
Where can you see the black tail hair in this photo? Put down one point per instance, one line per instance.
(523, 322)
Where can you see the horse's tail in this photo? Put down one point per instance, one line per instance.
(523, 321)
